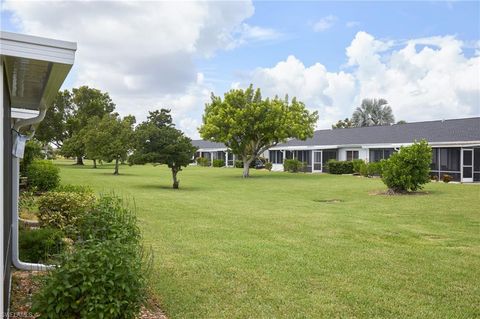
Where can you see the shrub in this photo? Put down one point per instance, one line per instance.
(357, 165)
(218, 163)
(62, 210)
(408, 169)
(238, 164)
(43, 175)
(340, 167)
(74, 188)
(434, 177)
(268, 166)
(33, 150)
(447, 178)
(293, 166)
(40, 245)
(203, 161)
(371, 169)
(107, 271)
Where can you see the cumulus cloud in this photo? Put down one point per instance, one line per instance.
(142, 52)
(427, 78)
(324, 23)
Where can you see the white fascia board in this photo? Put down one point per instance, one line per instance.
(23, 113)
(212, 150)
(37, 48)
(303, 148)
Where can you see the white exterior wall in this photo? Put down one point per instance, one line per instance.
(362, 153)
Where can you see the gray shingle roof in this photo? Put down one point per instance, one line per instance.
(207, 144)
(456, 130)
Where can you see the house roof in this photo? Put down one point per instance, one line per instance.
(454, 130)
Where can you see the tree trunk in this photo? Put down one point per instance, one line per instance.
(176, 182)
(79, 160)
(94, 163)
(116, 167)
(246, 168)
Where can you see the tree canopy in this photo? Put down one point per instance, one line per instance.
(248, 124)
(373, 112)
(159, 142)
(346, 123)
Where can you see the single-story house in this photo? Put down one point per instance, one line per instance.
(455, 143)
(32, 71)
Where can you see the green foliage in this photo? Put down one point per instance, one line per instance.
(357, 165)
(293, 166)
(373, 112)
(268, 166)
(33, 151)
(447, 178)
(74, 188)
(43, 175)
(63, 210)
(40, 245)
(340, 167)
(203, 161)
(160, 142)
(371, 169)
(346, 123)
(105, 276)
(249, 125)
(218, 163)
(238, 163)
(408, 169)
(109, 138)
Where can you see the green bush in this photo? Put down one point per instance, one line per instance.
(268, 166)
(447, 178)
(408, 169)
(40, 245)
(43, 175)
(33, 150)
(239, 164)
(340, 167)
(74, 188)
(62, 210)
(105, 276)
(203, 161)
(293, 166)
(357, 165)
(371, 169)
(218, 163)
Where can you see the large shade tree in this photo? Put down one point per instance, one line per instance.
(159, 142)
(109, 139)
(346, 123)
(373, 112)
(248, 124)
(86, 103)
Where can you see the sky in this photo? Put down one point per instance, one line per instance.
(423, 57)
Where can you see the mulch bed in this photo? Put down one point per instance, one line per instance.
(26, 283)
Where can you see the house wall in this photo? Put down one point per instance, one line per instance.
(6, 193)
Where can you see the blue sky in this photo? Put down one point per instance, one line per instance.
(423, 57)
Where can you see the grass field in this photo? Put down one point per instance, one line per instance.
(276, 246)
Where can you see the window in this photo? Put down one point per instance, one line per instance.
(378, 154)
(450, 159)
(276, 157)
(352, 155)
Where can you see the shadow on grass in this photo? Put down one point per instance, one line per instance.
(167, 187)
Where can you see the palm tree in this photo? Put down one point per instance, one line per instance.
(373, 112)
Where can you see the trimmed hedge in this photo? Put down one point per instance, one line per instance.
(371, 169)
(43, 175)
(203, 161)
(293, 166)
(340, 167)
(218, 163)
(357, 165)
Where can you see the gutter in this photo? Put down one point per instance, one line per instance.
(32, 122)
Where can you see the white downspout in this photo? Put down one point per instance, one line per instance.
(15, 192)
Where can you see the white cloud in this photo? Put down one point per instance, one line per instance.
(324, 23)
(142, 52)
(427, 78)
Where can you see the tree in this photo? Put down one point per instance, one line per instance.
(373, 112)
(408, 169)
(248, 125)
(110, 138)
(86, 104)
(346, 123)
(159, 142)
(53, 127)
(402, 122)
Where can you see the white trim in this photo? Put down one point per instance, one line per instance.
(313, 161)
(462, 166)
(23, 113)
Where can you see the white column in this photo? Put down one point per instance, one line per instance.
(211, 159)
(226, 159)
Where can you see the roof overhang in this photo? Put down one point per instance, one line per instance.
(35, 68)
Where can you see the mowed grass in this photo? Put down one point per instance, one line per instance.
(276, 246)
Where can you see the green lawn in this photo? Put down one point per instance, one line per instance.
(270, 247)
